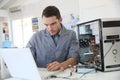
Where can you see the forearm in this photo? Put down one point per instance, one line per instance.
(70, 61)
(61, 66)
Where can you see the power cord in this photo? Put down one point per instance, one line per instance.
(113, 42)
(85, 74)
(54, 76)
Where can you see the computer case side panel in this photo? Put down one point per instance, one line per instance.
(111, 44)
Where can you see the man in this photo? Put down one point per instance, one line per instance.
(55, 47)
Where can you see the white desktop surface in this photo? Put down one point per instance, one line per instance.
(114, 75)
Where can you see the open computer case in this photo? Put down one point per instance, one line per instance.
(99, 42)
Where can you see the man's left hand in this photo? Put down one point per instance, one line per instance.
(54, 66)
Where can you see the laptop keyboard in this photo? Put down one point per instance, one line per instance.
(45, 73)
(14, 79)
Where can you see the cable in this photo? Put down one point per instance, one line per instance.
(109, 49)
(54, 76)
(60, 77)
(85, 74)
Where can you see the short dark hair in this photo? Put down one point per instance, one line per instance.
(51, 11)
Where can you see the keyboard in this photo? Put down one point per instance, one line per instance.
(14, 79)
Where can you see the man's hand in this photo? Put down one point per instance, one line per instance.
(61, 66)
(54, 66)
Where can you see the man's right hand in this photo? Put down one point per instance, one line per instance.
(54, 66)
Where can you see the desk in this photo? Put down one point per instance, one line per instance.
(114, 75)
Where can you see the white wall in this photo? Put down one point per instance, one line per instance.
(35, 7)
(87, 9)
(92, 9)
(3, 13)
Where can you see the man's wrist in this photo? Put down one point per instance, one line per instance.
(62, 68)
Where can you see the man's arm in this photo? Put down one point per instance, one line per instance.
(61, 66)
(70, 61)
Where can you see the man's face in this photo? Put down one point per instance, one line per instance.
(53, 24)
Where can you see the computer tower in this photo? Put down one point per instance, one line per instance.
(99, 42)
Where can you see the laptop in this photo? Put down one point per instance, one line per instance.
(20, 63)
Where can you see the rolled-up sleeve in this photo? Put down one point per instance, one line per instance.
(74, 47)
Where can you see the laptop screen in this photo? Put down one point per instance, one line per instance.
(20, 63)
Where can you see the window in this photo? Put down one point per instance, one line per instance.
(21, 31)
